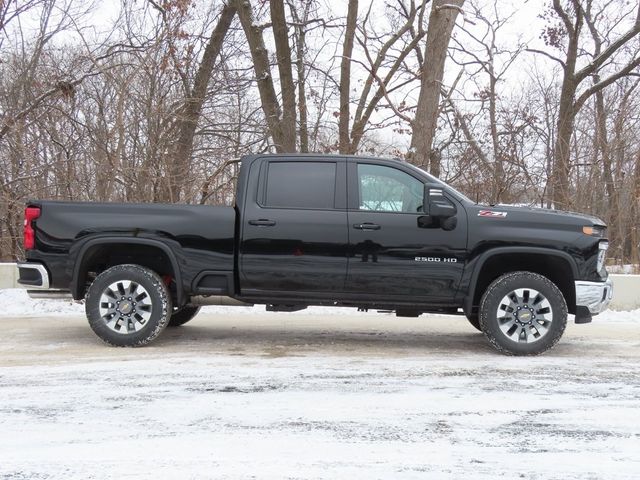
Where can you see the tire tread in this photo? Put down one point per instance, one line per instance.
(497, 284)
(157, 284)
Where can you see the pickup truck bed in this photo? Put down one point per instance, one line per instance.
(74, 239)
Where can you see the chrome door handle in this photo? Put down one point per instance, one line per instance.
(366, 226)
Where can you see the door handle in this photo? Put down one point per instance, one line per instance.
(263, 222)
(366, 226)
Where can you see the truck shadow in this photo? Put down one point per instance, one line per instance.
(301, 341)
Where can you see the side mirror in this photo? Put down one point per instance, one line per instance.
(437, 205)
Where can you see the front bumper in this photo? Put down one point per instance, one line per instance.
(595, 296)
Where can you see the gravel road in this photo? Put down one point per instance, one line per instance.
(316, 396)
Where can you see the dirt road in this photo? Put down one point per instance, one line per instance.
(316, 396)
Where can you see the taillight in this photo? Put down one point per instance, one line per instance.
(30, 214)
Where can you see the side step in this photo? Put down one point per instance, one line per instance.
(284, 308)
(204, 300)
(50, 294)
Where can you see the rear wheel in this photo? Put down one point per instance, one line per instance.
(183, 315)
(523, 313)
(128, 305)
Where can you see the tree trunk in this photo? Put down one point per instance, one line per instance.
(607, 170)
(260, 57)
(560, 194)
(345, 77)
(300, 71)
(441, 22)
(634, 214)
(190, 112)
(283, 55)
(498, 182)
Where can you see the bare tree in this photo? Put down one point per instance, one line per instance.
(487, 63)
(189, 113)
(345, 76)
(383, 65)
(573, 17)
(281, 130)
(441, 22)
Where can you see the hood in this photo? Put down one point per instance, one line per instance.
(539, 215)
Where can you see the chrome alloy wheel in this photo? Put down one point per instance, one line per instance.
(125, 306)
(524, 315)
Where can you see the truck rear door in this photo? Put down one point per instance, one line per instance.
(294, 227)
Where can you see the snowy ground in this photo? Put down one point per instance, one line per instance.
(624, 269)
(324, 394)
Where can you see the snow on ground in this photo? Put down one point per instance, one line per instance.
(318, 394)
(624, 269)
(315, 417)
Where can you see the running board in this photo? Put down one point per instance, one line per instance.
(202, 300)
(50, 294)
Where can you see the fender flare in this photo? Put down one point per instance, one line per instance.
(482, 259)
(92, 242)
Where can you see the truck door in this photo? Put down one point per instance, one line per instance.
(294, 227)
(395, 249)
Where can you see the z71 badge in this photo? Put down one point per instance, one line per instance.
(491, 213)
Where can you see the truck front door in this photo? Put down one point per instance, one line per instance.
(294, 227)
(395, 249)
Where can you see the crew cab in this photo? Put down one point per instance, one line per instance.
(322, 230)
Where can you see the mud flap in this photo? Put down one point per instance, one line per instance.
(583, 315)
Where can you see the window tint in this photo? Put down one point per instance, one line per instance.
(301, 185)
(387, 189)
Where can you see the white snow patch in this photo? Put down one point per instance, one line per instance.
(321, 417)
(623, 269)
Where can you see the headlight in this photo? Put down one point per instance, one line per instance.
(602, 254)
(595, 231)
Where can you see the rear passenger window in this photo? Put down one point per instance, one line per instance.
(301, 185)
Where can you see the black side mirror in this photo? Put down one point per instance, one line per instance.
(437, 205)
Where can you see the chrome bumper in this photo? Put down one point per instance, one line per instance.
(594, 295)
(35, 278)
(33, 275)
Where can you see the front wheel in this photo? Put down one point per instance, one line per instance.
(128, 305)
(523, 313)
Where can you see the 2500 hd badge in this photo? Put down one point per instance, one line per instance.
(437, 259)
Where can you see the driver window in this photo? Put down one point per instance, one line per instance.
(386, 189)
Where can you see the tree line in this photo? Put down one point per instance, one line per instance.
(159, 102)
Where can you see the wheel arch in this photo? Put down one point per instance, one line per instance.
(88, 254)
(557, 266)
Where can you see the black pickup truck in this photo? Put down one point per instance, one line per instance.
(322, 230)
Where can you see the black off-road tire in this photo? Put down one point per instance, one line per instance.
(474, 320)
(157, 306)
(492, 301)
(183, 315)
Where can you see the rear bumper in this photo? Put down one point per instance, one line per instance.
(36, 279)
(33, 275)
(595, 296)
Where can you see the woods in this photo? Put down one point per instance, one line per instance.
(156, 101)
